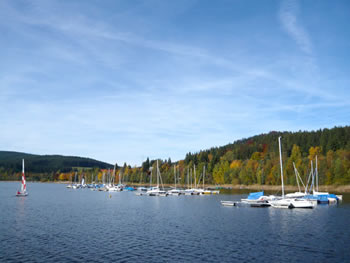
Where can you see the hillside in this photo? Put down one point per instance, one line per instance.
(12, 162)
(255, 160)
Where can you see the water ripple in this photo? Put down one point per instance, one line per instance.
(58, 225)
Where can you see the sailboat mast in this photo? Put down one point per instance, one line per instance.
(188, 179)
(23, 177)
(279, 143)
(150, 178)
(157, 175)
(312, 179)
(191, 178)
(316, 175)
(175, 175)
(195, 177)
(296, 175)
(203, 176)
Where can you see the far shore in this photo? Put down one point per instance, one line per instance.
(257, 187)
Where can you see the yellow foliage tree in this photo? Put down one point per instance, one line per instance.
(236, 164)
(63, 177)
(313, 151)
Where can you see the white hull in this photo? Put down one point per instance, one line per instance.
(295, 195)
(292, 203)
(22, 194)
(282, 203)
(228, 203)
(174, 194)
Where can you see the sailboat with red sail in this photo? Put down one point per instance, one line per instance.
(23, 191)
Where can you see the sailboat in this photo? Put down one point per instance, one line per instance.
(189, 191)
(285, 202)
(174, 191)
(71, 180)
(155, 191)
(322, 197)
(297, 194)
(23, 191)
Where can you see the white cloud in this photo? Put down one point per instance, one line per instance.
(89, 87)
(289, 17)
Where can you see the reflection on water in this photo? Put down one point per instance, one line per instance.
(56, 224)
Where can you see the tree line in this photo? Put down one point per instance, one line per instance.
(254, 160)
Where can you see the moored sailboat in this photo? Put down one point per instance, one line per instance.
(285, 202)
(156, 191)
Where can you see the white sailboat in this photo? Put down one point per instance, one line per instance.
(23, 191)
(196, 191)
(285, 202)
(189, 191)
(323, 196)
(155, 191)
(298, 194)
(174, 191)
(71, 180)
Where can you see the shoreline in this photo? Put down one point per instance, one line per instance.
(257, 187)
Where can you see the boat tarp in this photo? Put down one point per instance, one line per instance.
(310, 197)
(333, 196)
(322, 198)
(256, 195)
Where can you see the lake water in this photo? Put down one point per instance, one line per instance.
(55, 224)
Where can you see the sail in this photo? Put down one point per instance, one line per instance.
(23, 191)
(24, 185)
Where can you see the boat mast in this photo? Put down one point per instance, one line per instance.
(195, 177)
(188, 179)
(312, 179)
(150, 179)
(279, 143)
(175, 175)
(296, 176)
(157, 175)
(203, 176)
(316, 175)
(23, 177)
(113, 175)
(191, 178)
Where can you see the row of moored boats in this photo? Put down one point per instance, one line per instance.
(309, 198)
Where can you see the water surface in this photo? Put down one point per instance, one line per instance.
(55, 224)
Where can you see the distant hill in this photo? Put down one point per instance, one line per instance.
(46, 163)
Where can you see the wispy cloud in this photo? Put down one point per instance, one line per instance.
(80, 82)
(289, 17)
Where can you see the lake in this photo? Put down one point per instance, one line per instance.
(55, 224)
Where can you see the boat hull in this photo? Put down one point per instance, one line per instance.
(21, 194)
(228, 203)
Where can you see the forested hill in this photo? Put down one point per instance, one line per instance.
(12, 163)
(327, 139)
(255, 159)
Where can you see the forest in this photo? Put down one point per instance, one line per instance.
(44, 167)
(253, 160)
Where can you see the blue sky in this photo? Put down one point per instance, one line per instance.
(120, 81)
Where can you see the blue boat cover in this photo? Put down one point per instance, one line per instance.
(310, 197)
(322, 198)
(256, 195)
(333, 196)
